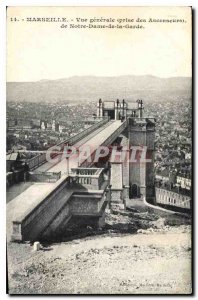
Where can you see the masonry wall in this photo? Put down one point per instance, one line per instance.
(125, 164)
(141, 174)
(57, 222)
(150, 190)
(125, 171)
(150, 142)
(84, 204)
(116, 196)
(116, 176)
(53, 215)
(150, 138)
(137, 170)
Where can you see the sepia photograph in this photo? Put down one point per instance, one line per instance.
(99, 150)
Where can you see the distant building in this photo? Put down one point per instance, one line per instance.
(55, 126)
(172, 198)
(36, 122)
(187, 155)
(184, 181)
(61, 128)
(43, 125)
(48, 126)
(173, 190)
(162, 175)
(11, 161)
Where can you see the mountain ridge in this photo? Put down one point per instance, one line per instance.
(87, 88)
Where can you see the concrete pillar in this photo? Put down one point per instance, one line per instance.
(125, 192)
(116, 186)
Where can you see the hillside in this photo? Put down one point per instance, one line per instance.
(87, 88)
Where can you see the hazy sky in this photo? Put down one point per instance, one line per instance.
(38, 51)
